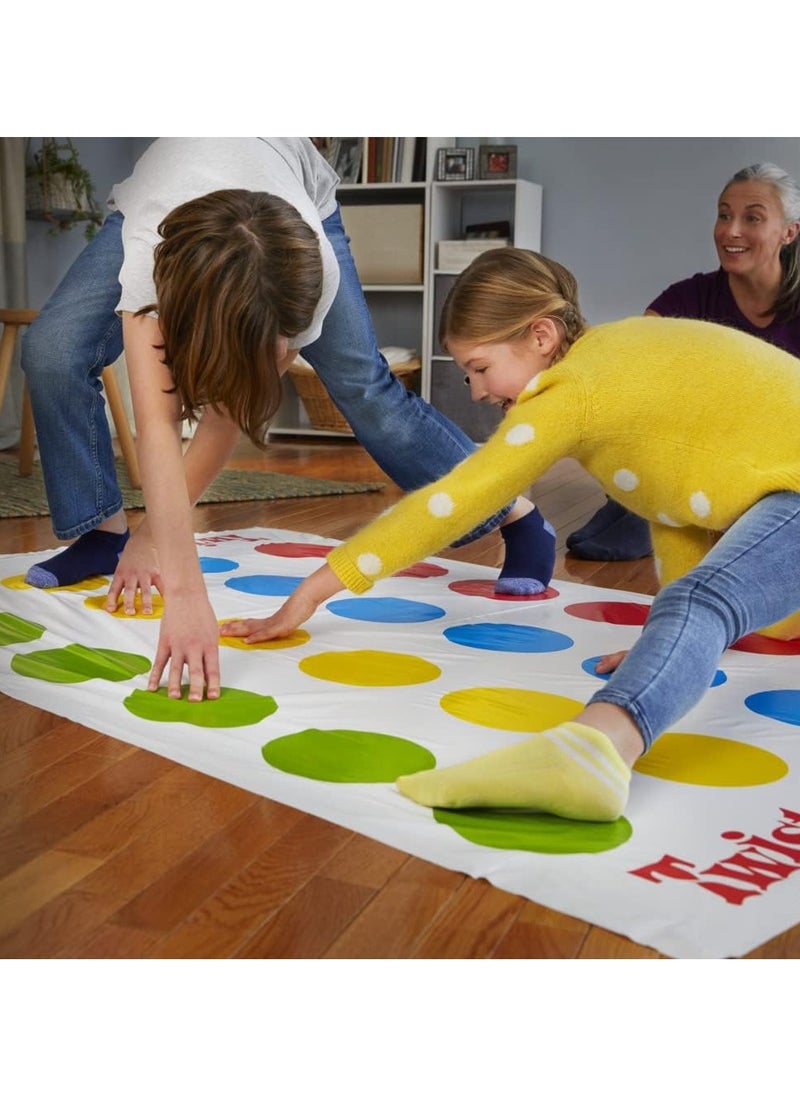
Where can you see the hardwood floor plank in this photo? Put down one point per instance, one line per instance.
(470, 926)
(225, 922)
(310, 922)
(393, 922)
(60, 819)
(36, 882)
(542, 933)
(175, 894)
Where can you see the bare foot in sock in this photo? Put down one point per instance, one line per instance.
(572, 771)
(95, 553)
(530, 544)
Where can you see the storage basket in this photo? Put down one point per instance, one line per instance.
(320, 408)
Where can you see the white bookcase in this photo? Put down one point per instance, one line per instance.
(454, 207)
(407, 314)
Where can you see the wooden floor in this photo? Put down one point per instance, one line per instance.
(108, 851)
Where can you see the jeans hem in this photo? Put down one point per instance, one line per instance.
(89, 524)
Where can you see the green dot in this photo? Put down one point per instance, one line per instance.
(14, 629)
(347, 757)
(68, 665)
(233, 708)
(530, 832)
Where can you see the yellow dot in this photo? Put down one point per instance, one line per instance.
(370, 668)
(510, 709)
(295, 639)
(158, 607)
(712, 762)
(17, 582)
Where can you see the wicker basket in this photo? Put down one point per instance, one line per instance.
(320, 408)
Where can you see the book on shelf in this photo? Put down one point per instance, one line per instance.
(375, 159)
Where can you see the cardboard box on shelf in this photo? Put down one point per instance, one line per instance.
(386, 242)
(453, 256)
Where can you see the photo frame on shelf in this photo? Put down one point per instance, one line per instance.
(497, 162)
(454, 164)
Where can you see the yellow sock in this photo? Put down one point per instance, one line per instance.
(571, 770)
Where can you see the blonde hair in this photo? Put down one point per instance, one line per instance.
(505, 290)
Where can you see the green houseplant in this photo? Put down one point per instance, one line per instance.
(59, 188)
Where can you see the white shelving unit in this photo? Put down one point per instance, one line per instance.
(408, 314)
(454, 206)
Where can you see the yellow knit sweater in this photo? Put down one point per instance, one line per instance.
(686, 423)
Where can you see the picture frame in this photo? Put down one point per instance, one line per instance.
(497, 162)
(455, 164)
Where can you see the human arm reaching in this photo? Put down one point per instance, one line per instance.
(189, 633)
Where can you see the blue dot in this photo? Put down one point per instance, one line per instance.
(209, 565)
(508, 637)
(386, 610)
(266, 585)
(780, 704)
(590, 666)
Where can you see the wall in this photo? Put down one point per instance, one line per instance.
(107, 159)
(630, 215)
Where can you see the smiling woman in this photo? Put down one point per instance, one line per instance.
(756, 289)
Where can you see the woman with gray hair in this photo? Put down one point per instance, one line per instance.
(756, 289)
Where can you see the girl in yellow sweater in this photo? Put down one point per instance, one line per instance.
(691, 425)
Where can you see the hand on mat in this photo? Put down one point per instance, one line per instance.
(296, 610)
(189, 637)
(288, 619)
(608, 663)
(136, 571)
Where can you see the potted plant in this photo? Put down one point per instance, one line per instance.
(59, 188)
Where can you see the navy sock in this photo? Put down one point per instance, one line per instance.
(626, 538)
(530, 556)
(610, 512)
(95, 553)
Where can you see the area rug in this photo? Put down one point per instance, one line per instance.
(24, 496)
(430, 669)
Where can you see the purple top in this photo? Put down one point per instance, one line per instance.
(708, 297)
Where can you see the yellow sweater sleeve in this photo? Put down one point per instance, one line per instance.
(537, 431)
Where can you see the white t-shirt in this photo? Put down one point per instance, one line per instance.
(175, 169)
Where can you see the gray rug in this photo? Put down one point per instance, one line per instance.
(24, 496)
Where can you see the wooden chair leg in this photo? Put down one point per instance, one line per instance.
(120, 417)
(27, 438)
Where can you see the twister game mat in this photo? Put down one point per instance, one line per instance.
(431, 669)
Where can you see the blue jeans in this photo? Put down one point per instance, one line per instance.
(78, 333)
(749, 579)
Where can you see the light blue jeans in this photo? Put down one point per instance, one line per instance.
(749, 579)
(78, 333)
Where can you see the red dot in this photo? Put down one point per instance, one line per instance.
(422, 570)
(481, 587)
(293, 551)
(610, 612)
(765, 645)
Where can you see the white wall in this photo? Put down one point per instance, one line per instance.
(630, 215)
